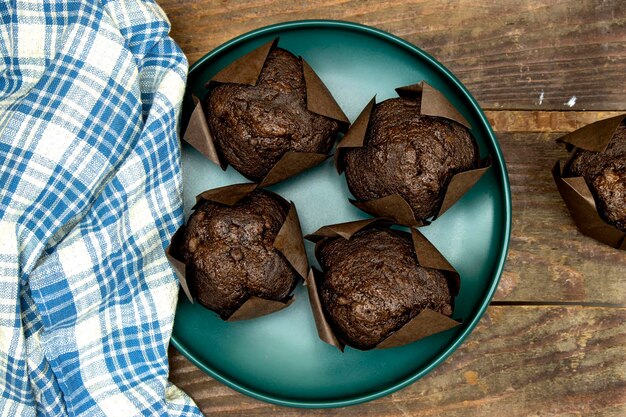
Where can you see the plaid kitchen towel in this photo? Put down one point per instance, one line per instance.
(90, 189)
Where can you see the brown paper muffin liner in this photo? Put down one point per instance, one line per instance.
(288, 241)
(426, 323)
(394, 206)
(575, 192)
(246, 70)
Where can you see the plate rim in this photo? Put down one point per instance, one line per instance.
(506, 189)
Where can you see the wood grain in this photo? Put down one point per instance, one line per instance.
(549, 259)
(520, 361)
(529, 360)
(538, 67)
(544, 121)
(534, 54)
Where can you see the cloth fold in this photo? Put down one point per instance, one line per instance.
(90, 192)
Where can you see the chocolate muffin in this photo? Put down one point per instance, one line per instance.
(373, 285)
(605, 175)
(229, 252)
(409, 154)
(254, 126)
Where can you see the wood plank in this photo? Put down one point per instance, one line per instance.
(520, 361)
(544, 121)
(533, 54)
(549, 259)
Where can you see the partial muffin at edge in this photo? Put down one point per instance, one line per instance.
(605, 175)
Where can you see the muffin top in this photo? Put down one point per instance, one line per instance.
(373, 285)
(605, 175)
(409, 154)
(229, 252)
(254, 126)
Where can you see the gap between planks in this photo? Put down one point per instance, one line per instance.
(535, 121)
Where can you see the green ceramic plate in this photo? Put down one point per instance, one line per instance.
(279, 358)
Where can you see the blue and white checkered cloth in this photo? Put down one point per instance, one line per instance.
(90, 190)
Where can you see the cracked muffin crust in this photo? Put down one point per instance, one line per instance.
(254, 126)
(409, 154)
(230, 256)
(373, 285)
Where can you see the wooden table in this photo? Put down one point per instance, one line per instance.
(553, 342)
